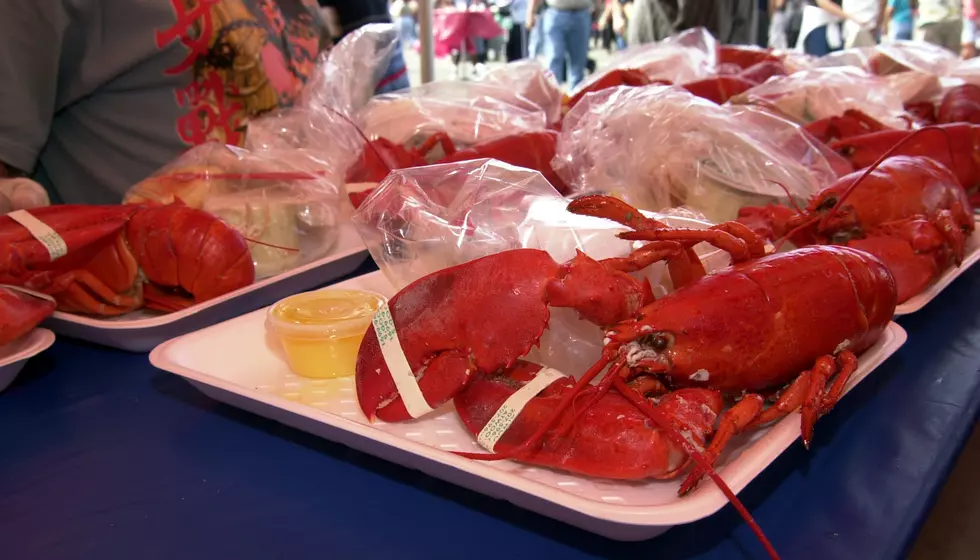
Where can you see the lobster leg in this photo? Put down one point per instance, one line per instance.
(809, 391)
(731, 423)
(731, 244)
(644, 256)
(86, 293)
(439, 138)
(953, 234)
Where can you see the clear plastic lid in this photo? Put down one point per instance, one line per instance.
(327, 313)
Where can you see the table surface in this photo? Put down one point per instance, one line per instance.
(103, 456)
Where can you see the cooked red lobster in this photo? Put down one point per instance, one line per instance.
(20, 312)
(531, 150)
(185, 256)
(746, 330)
(718, 89)
(954, 145)
(910, 212)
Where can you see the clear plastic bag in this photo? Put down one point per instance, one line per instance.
(346, 78)
(661, 147)
(818, 93)
(534, 82)
(469, 112)
(425, 219)
(279, 200)
(320, 128)
(686, 57)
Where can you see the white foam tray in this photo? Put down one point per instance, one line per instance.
(142, 330)
(236, 363)
(922, 299)
(14, 356)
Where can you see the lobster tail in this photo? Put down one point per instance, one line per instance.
(187, 255)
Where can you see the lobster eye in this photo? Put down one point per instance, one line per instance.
(659, 341)
(828, 203)
(847, 151)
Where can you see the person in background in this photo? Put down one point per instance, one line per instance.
(820, 29)
(863, 25)
(566, 26)
(96, 96)
(612, 24)
(898, 20)
(517, 41)
(404, 12)
(968, 40)
(655, 20)
(940, 22)
(354, 14)
(778, 25)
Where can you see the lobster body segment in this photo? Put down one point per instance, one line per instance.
(758, 324)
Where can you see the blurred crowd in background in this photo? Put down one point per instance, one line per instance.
(564, 32)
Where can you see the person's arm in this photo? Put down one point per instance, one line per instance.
(882, 5)
(836, 11)
(31, 34)
(889, 14)
(532, 11)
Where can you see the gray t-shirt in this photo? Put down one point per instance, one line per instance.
(570, 4)
(95, 95)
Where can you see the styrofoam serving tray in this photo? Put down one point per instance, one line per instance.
(921, 299)
(234, 362)
(14, 356)
(141, 330)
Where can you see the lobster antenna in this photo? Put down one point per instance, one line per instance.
(360, 133)
(263, 243)
(694, 453)
(891, 151)
(788, 195)
(809, 222)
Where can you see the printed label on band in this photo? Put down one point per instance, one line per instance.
(38, 295)
(394, 356)
(42, 232)
(507, 413)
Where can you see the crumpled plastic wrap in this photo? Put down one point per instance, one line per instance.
(319, 129)
(534, 82)
(278, 200)
(818, 93)
(661, 147)
(20, 193)
(425, 219)
(469, 112)
(346, 78)
(911, 69)
(685, 57)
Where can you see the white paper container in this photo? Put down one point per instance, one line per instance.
(141, 330)
(921, 299)
(14, 356)
(234, 362)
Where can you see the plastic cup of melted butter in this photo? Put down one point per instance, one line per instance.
(321, 331)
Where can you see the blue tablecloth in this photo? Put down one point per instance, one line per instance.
(104, 457)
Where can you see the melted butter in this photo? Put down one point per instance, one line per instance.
(327, 307)
(321, 332)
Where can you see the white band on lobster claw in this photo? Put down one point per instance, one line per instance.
(48, 237)
(507, 413)
(401, 372)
